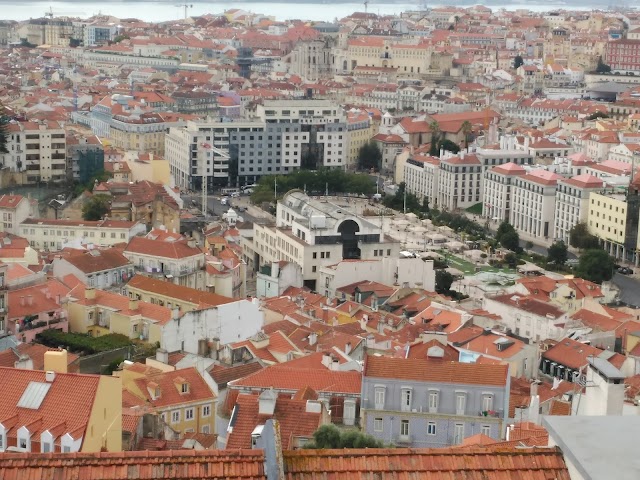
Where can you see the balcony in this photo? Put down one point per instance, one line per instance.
(490, 413)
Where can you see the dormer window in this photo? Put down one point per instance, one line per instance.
(185, 388)
(22, 443)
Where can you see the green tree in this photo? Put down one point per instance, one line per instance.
(444, 280)
(504, 227)
(596, 266)
(370, 156)
(449, 146)
(511, 259)
(4, 130)
(596, 115)
(511, 241)
(602, 67)
(435, 139)
(96, 208)
(581, 238)
(518, 61)
(557, 253)
(329, 436)
(466, 128)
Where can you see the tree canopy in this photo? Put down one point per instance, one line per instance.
(579, 237)
(602, 67)
(370, 156)
(557, 253)
(96, 207)
(4, 122)
(508, 237)
(329, 436)
(397, 201)
(444, 280)
(596, 266)
(518, 61)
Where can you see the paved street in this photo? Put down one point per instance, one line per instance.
(214, 207)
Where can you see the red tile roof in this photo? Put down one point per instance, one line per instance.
(185, 294)
(169, 384)
(163, 249)
(574, 354)
(36, 352)
(472, 463)
(283, 378)
(423, 370)
(68, 401)
(98, 260)
(222, 374)
(294, 420)
(140, 465)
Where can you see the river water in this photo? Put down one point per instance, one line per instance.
(155, 11)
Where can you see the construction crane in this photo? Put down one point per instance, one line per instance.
(51, 13)
(366, 5)
(186, 6)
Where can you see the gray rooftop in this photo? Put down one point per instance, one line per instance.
(600, 448)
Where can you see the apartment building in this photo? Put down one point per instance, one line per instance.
(97, 312)
(533, 205)
(426, 402)
(313, 233)
(38, 150)
(421, 176)
(497, 192)
(572, 203)
(51, 235)
(15, 209)
(608, 218)
(623, 54)
(360, 129)
(182, 397)
(202, 149)
(96, 268)
(178, 261)
(52, 411)
(459, 182)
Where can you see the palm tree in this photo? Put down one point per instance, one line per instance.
(466, 129)
(435, 137)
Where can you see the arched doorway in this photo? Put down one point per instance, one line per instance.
(348, 231)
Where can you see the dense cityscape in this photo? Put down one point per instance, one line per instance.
(384, 247)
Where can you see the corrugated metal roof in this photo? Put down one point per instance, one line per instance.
(34, 395)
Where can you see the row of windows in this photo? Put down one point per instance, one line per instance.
(188, 414)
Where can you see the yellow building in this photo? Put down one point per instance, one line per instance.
(369, 51)
(148, 166)
(98, 312)
(181, 397)
(55, 411)
(607, 219)
(168, 294)
(361, 130)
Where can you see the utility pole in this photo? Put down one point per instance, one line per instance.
(275, 189)
(326, 189)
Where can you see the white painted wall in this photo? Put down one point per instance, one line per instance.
(232, 322)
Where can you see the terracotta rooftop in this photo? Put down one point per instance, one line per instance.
(98, 260)
(36, 352)
(163, 249)
(472, 463)
(423, 370)
(222, 374)
(139, 465)
(185, 294)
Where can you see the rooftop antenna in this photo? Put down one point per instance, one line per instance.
(366, 6)
(186, 6)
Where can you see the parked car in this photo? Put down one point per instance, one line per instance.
(625, 271)
(224, 200)
(235, 194)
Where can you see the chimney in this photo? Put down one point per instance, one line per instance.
(89, 293)
(162, 356)
(347, 348)
(50, 376)
(326, 360)
(24, 363)
(133, 304)
(267, 402)
(29, 300)
(175, 313)
(191, 243)
(313, 338)
(55, 361)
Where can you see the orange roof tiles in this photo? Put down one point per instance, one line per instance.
(163, 249)
(222, 374)
(98, 260)
(427, 371)
(57, 407)
(170, 387)
(36, 352)
(185, 294)
(284, 378)
(140, 465)
(472, 463)
(294, 420)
